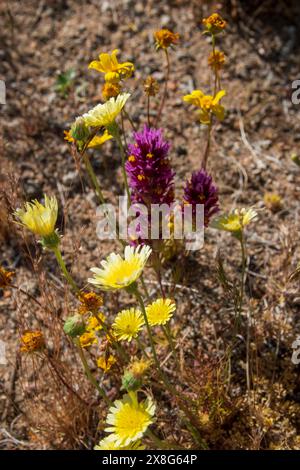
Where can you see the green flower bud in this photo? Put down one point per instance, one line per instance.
(130, 383)
(79, 130)
(74, 326)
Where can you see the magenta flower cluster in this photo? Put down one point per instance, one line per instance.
(200, 189)
(150, 176)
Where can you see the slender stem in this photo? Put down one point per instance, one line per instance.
(207, 147)
(145, 288)
(63, 267)
(89, 373)
(244, 261)
(159, 443)
(140, 344)
(165, 88)
(167, 333)
(93, 178)
(213, 40)
(123, 155)
(148, 110)
(130, 120)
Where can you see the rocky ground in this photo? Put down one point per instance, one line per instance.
(250, 155)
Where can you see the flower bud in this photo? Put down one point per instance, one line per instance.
(130, 382)
(74, 326)
(79, 130)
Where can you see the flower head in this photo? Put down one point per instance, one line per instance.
(139, 367)
(31, 341)
(127, 324)
(90, 302)
(151, 86)
(164, 38)
(117, 272)
(113, 70)
(96, 141)
(94, 323)
(38, 218)
(128, 419)
(273, 201)
(214, 23)
(151, 178)
(108, 444)
(110, 90)
(88, 339)
(235, 221)
(208, 105)
(5, 277)
(216, 60)
(106, 363)
(160, 311)
(104, 115)
(201, 190)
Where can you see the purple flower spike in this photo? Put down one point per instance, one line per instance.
(151, 178)
(200, 189)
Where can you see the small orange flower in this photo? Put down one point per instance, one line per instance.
(216, 60)
(90, 302)
(164, 38)
(151, 87)
(110, 89)
(214, 23)
(31, 341)
(106, 363)
(5, 277)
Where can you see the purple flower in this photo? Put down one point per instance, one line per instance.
(200, 189)
(151, 178)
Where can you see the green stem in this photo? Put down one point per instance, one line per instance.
(168, 335)
(123, 155)
(93, 178)
(162, 104)
(140, 344)
(118, 346)
(89, 373)
(63, 267)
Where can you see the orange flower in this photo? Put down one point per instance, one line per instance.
(151, 86)
(32, 340)
(5, 277)
(90, 302)
(110, 89)
(165, 38)
(214, 23)
(216, 60)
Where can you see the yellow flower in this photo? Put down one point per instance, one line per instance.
(108, 444)
(139, 367)
(127, 324)
(160, 311)
(110, 90)
(118, 273)
(113, 70)
(164, 38)
(104, 115)
(106, 363)
(151, 87)
(38, 218)
(5, 277)
(216, 60)
(214, 23)
(90, 302)
(128, 419)
(208, 105)
(96, 141)
(235, 221)
(93, 323)
(273, 201)
(88, 339)
(32, 340)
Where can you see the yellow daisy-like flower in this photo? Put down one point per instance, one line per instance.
(160, 311)
(208, 105)
(128, 419)
(5, 277)
(90, 302)
(119, 273)
(214, 23)
(164, 38)
(96, 141)
(127, 324)
(113, 70)
(38, 218)
(93, 323)
(108, 444)
(235, 221)
(104, 115)
(106, 363)
(216, 60)
(31, 341)
(88, 339)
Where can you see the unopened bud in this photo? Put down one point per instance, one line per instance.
(74, 326)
